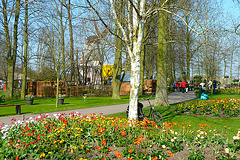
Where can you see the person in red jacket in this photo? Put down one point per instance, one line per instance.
(183, 85)
(178, 85)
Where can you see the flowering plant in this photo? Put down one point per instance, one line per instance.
(229, 91)
(61, 96)
(70, 136)
(84, 98)
(30, 96)
(217, 107)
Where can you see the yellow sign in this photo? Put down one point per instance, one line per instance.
(107, 70)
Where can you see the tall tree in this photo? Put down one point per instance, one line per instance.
(161, 98)
(11, 49)
(117, 67)
(71, 40)
(133, 37)
(25, 56)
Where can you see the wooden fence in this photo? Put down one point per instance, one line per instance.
(71, 89)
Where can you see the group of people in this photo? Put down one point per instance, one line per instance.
(210, 85)
(181, 86)
(184, 86)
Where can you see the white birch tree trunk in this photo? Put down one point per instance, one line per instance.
(133, 41)
(138, 25)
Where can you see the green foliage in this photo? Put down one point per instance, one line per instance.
(229, 91)
(2, 98)
(29, 96)
(16, 95)
(196, 154)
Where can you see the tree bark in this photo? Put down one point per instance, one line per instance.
(188, 58)
(138, 28)
(11, 52)
(117, 67)
(142, 66)
(25, 56)
(62, 43)
(161, 98)
(71, 41)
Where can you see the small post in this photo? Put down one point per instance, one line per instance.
(18, 109)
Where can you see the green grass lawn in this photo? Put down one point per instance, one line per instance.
(228, 126)
(43, 105)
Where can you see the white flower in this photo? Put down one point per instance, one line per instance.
(236, 137)
(172, 140)
(227, 150)
(163, 146)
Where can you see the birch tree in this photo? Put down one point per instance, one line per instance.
(132, 38)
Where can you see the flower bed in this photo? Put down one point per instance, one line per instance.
(97, 137)
(218, 108)
(229, 91)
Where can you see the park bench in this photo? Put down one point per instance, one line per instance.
(18, 107)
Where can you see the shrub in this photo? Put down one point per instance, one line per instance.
(2, 98)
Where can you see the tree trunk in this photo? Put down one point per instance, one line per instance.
(161, 98)
(188, 58)
(117, 67)
(10, 79)
(71, 41)
(138, 28)
(25, 57)
(142, 66)
(9, 87)
(11, 57)
(117, 70)
(57, 95)
(231, 64)
(62, 44)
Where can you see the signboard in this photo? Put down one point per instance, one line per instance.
(107, 71)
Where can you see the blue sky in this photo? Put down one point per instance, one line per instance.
(231, 10)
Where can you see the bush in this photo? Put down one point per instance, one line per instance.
(2, 98)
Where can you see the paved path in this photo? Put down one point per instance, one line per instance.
(175, 97)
